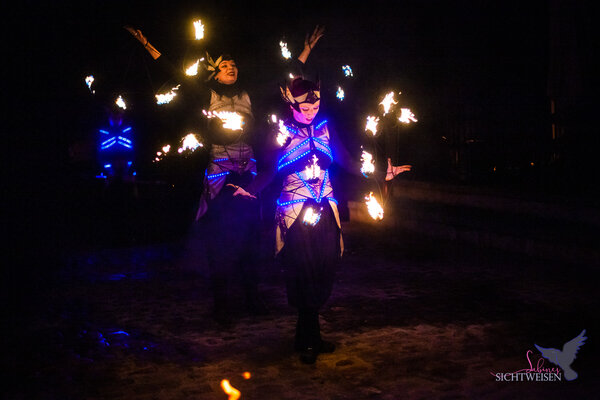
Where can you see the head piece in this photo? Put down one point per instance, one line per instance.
(300, 90)
(212, 66)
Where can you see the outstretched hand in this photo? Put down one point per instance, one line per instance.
(136, 34)
(311, 41)
(393, 170)
(239, 191)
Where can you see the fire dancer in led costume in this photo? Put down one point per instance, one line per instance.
(230, 224)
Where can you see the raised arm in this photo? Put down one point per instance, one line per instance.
(144, 41)
(310, 42)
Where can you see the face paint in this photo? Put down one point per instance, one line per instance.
(306, 112)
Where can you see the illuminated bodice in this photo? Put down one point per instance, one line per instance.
(115, 139)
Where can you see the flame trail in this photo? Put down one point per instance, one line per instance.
(231, 119)
(311, 217)
(192, 70)
(165, 98)
(283, 134)
(89, 80)
(340, 93)
(347, 70)
(229, 390)
(368, 165)
(387, 102)
(372, 124)
(406, 116)
(284, 50)
(375, 210)
(189, 142)
(199, 29)
(121, 103)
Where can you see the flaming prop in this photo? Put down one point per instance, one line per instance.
(164, 98)
(372, 124)
(311, 217)
(189, 142)
(229, 390)
(88, 81)
(284, 50)
(368, 166)
(283, 134)
(347, 70)
(387, 102)
(373, 207)
(231, 120)
(121, 103)
(199, 30)
(192, 70)
(312, 171)
(406, 116)
(340, 93)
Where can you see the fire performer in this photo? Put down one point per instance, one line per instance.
(308, 236)
(230, 224)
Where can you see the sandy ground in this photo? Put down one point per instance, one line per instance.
(412, 318)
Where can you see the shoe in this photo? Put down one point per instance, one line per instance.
(309, 355)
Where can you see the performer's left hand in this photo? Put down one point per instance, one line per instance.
(311, 41)
(394, 170)
(239, 191)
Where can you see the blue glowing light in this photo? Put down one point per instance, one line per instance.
(104, 132)
(107, 165)
(323, 185)
(306, 185)
(217, 175)
(101, 176)
(293, 160)
(320, 124)
(129, 163)
(126, 130)
(287, 203)
(120, 333)
(134, 173)
(220, 159)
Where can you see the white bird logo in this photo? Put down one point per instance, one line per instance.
(565, 357)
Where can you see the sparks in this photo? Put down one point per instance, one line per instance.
(387, 102)
(284, 50)
(164, 98)
(372, 124)
(312, 171)
(189, 142)
(347, 70)
(88, 81)
(121, 103)
(373, 207)
(229, 390)
(274, 118)
(166, 148)
(340, 93)
(283, 134)
(368, 166)
(406, 116)
(192, 70)
(231, 120)
(199, 29)
(311, 217)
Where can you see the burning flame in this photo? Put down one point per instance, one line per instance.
(88, 81)
(311, 217)
(283, 134)
(284, 50)
(229, 390)
(347, 70)
(312, 171)
(373, 207)
(406, 116)
(372, 124)
(340, 93)
(387, 102)
(121, 103)
(199, 29)
(192, 70)
(164, 98)
(246, 375)
(189, 142)
(231, 119)
(368, 166)
(166, 148)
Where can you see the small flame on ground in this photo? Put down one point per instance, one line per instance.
(284, 50)
(375, 210)
(121, 103)
(368, 166)
(340, 93)
(199, 29)
(372, 124)
(231, 119)
(229, 390)
(192, 70)
(165, 98)
(387, 102)
(406, 116)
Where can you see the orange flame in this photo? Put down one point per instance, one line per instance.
(229, 390)
(246, 375)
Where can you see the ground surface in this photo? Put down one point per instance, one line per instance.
(412, 318)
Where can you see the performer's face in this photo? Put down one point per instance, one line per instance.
(308, 112)
(228, 72)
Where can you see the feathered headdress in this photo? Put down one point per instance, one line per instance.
(212, 66)
(299, 91)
